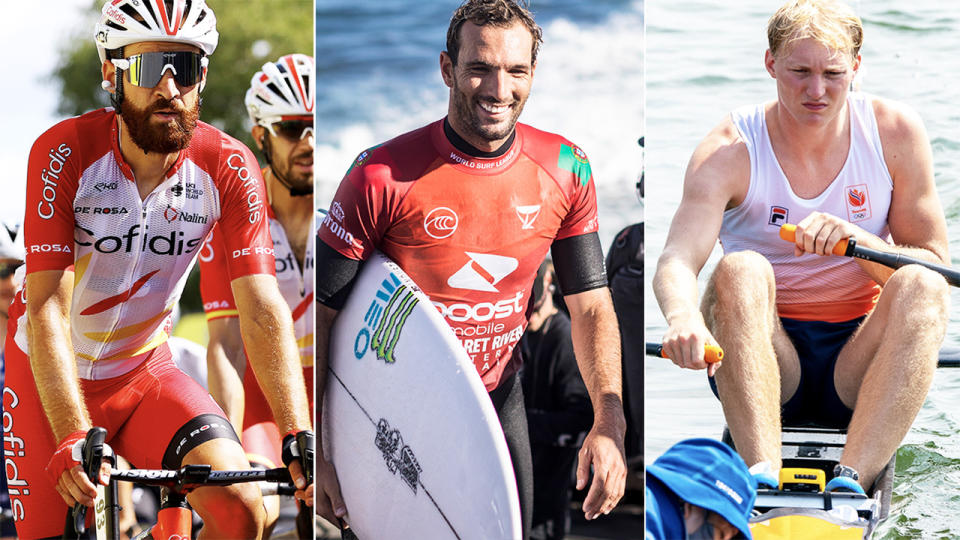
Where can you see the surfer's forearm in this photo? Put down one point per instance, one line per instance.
(267, 329)
(596, 343)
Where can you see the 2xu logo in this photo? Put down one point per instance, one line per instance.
(398, 456)
(386, 321)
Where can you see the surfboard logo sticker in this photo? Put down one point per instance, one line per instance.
(372, 317)
(395, 315)
(398, 456)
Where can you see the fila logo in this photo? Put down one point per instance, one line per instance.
(482, 272)
(778, 216)
(527, 215)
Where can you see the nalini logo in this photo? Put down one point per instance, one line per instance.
(858, 203)
(440, 223)
(778, 216)
(527, 215)
(170, 214)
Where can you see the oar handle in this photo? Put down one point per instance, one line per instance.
(848, 247)
(789, 233)
(711, 353)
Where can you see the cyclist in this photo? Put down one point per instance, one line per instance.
(119, 201)
(280, 104)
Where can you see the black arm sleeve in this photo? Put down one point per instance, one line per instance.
(335, 275)
(578, 261)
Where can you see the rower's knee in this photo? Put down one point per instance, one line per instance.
(922, 295)
(744, 276)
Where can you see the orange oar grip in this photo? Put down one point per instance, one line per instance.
(788, 232)
(712, 354)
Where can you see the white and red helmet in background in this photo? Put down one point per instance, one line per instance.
(123, 22)
(281, 89)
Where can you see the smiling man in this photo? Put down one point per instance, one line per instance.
(469, 206)
(810, 338)
(119, 201)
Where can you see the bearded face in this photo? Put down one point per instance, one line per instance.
(165, 126)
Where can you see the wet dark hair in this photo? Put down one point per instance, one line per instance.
(502, 13)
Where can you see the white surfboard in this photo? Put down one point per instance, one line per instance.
(407, 423)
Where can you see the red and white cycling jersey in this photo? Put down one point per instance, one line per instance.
(296, 285)
(470, 231)
(130, 256)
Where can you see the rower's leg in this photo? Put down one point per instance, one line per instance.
(884, 372)
(739, 308)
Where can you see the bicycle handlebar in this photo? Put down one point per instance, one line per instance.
(188, 478)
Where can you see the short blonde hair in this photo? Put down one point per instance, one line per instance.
(828, 22)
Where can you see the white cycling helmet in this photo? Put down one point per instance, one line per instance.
(123, 22)
(281, 88)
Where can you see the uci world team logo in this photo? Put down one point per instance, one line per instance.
(858, 203)
(385, 318)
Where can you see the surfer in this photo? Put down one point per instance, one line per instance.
(808, 337)
(280, 104)
(469, 206)
(119, 201)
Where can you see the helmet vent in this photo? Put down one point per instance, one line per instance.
(147, 5)
(114, 25)
(273, 88)
(186, 12)
(132, 13)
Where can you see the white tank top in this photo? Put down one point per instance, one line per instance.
(811, 287)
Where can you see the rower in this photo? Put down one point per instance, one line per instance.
(811, 339)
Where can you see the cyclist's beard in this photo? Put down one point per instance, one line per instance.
(151, 136)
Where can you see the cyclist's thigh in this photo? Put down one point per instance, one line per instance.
(28, 444)
(261, 437)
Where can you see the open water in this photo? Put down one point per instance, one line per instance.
(704, 59)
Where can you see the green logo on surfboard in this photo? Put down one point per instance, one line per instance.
(391, 324)
(386, 322)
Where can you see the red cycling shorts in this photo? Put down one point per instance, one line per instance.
(142, 410)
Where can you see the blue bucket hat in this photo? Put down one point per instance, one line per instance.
(709, 474)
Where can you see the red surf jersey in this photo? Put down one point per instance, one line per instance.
(471, 232)
(131, 256)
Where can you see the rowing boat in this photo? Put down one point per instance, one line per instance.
(795, 511)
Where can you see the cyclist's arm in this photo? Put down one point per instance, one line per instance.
(51, 351)
(225, 366)
(267, 329)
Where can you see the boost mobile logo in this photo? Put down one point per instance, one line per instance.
(387, 321)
